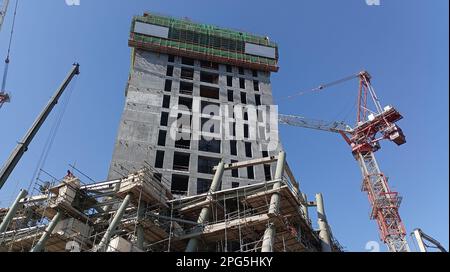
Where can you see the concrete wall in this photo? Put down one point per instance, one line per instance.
(138, 130)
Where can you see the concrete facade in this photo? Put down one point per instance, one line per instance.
(140, 126)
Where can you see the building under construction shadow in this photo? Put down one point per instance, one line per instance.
(139, 213)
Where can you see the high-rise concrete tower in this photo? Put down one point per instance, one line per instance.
(196, 94)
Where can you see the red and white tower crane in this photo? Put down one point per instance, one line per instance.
(372, 126)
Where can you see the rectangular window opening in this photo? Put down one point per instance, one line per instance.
(234, 172)
(267, 172)
(209, 77)
(229, 81)
(180, 184)
(230, 96)
(181, 161)
(168, 85)
(183, 141)
(242, 83)
(169, 71)
(209, 92)
(243, 98)
(209, 145)
(162, 138)
(250, 172)
(164, 119)
(233, 147)
(186, 88)
(159, 161)
(187, 61)
(258, 100)
(256, 85)
(248, 150)
(206, 164)
(185, 102)
(246, 131)
(187, 73)
(209, 65)
(166, 102)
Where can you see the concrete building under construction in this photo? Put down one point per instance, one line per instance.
(197, 164)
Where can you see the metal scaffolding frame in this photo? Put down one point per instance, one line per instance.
(143, 215)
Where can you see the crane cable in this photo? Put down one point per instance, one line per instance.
(5, 73)
(321, 87)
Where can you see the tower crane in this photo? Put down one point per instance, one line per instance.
(372, 126)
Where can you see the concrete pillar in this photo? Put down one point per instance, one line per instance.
(204, 214)
(419, 240)
(324, 234)
(139, 228)
(269, 234)
(275, 199)
(305, 206)
(12, 211)
(47, 232)
(274, 206)
(116, 220)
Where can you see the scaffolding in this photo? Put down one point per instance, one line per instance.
(204, 42)
(138, 213)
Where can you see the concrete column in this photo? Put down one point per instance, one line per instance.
(419, 240)
(139, 228)
(47, 232)
(324, 234)
(275, 199)
(12, 211)
(269, 234)
(305, 206)
(204, 214)
(116, 220)
(274, 206)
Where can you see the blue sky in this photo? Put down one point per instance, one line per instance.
(403, 44)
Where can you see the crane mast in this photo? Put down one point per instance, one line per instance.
(371, 127)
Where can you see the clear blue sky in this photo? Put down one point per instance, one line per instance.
(403, 44)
